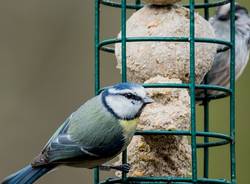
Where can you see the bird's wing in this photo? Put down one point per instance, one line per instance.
(89, 133)
(63, 150)
(219, 74)
(59, 146)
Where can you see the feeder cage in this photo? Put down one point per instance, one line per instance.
(207, 135)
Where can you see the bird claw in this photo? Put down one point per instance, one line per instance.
(124, 167)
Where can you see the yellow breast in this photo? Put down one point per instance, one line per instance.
(129, 127)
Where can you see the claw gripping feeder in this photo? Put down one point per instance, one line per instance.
(191, 74)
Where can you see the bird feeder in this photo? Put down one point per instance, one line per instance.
(182, 55)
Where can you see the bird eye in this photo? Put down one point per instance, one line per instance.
(129, 95)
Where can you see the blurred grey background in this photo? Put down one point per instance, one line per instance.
(46, 72)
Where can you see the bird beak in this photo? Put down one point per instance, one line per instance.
(148, 100)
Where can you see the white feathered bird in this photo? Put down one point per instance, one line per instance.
(220, 71)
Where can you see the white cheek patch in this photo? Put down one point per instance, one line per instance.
(122, 107)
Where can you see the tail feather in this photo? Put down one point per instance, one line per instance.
(27, 175)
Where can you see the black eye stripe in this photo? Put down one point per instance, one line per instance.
(131, 96)
(223, 17)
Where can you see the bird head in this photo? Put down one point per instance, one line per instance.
(223, 12)
(221, 21)
(125, 100)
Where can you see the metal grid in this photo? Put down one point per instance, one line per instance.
(193, 133)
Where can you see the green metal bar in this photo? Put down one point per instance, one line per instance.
(118, 5)
(97, 67)
(138, 3)
(206, 139)
(96, 175)
(160, 39)
(97, 52)
(164, 39)
(124, 160)
(124, 65)
(136, 6)
(206, 10)
(212, 144)
(108, 49)
(184, 132)
(206, 117)
(177, 85)
(151, 180)
(200, 180)
(232, 96)
(166, 85)
(198, 86)
(123, 41)
(226, 138)
(192, 91)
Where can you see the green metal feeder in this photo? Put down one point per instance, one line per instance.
(103, 45)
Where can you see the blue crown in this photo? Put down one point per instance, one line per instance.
(126, 85)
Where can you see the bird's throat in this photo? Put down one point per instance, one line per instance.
(129, 127)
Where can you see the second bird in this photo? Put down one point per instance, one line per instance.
(220, 71)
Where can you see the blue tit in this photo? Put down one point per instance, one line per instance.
(92, 135)
(220, 71)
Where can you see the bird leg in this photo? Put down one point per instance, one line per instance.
(124, 167)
